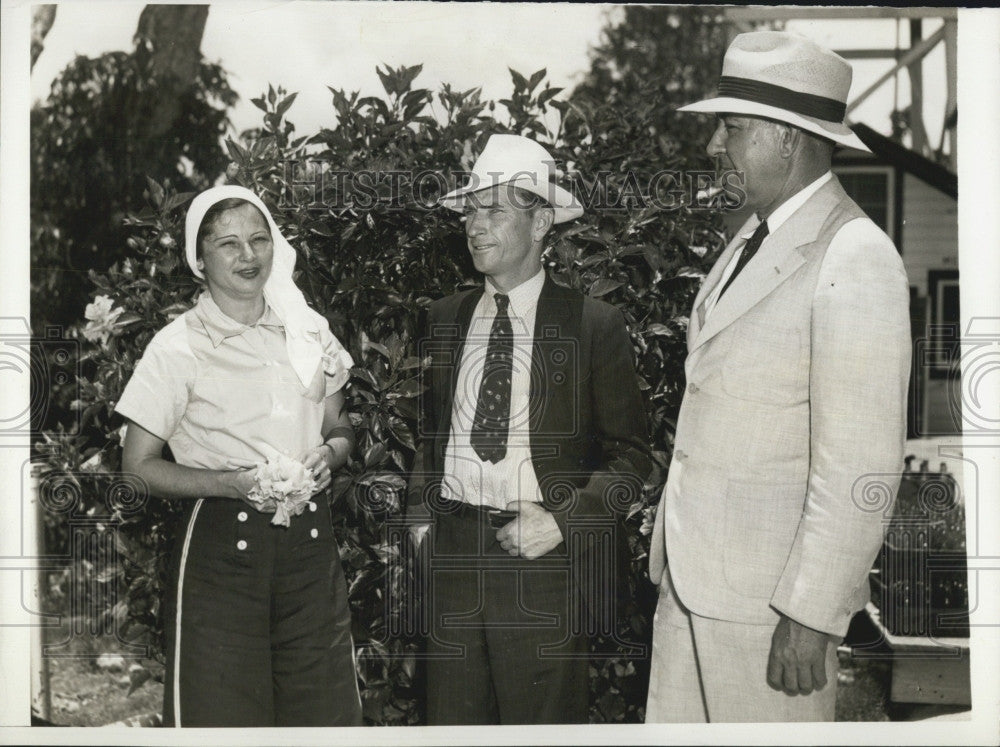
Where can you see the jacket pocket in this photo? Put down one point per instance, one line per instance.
(761, 522)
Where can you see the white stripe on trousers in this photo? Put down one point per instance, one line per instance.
(177, 621)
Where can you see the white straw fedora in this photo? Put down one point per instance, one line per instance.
(784, 76)
(520, 162)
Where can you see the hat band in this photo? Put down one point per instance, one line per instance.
(806, 104)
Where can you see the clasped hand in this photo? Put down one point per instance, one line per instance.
(532, 534)
(318, 460)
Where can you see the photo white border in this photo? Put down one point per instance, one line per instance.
(979, 262)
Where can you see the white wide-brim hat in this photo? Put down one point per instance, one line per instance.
(787, 77)
(519, 162)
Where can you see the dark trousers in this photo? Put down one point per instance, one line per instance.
(257, 623)
(502, 647)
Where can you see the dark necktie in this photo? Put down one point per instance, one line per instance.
(489, 429)
(749, 250)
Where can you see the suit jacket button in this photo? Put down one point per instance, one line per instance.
(312, 506)
(314, 533)
(242, 516)
(241, 545)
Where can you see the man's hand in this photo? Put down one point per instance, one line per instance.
(532, 534)
(797, 663)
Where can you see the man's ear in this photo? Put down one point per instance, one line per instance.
(789, 140)
(544, 219)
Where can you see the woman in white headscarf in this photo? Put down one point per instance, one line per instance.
(256, 618)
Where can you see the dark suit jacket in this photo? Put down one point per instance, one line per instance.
(587, 422)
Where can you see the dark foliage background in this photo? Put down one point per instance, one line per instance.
(371, 256)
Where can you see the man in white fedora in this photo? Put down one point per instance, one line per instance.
(790, 436)
(532, 441)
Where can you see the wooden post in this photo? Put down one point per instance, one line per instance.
(918, 133)
(915, 53)
(951, 101)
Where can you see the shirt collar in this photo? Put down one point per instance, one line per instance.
(219, 326)
(524, 297)
(784, 211)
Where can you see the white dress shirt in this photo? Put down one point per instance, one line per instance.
(466, 477)
(782, 213)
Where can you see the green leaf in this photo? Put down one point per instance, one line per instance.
(658, 330)
(375, 454)
(408, 76)
(536, 78)
(603, 286)
(155, 192)
(389, 80)
(547, 94)
(178, 199)
(286, 104)
(520, 82)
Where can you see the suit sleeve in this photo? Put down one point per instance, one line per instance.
(860, 364)
(618, 424)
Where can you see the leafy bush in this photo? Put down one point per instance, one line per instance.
(372, 255)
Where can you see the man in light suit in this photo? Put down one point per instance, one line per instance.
(533, 442)
(793, 421)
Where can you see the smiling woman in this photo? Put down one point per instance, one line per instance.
(235, 252)
(247, 389)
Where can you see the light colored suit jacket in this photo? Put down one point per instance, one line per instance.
(789, 442)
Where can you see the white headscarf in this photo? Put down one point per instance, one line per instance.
(305, 352)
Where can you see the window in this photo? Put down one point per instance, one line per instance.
(944, 325)
(872, 187)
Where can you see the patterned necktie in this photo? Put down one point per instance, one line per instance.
(749, 250)
(489, 429)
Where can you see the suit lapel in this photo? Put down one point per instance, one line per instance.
(783, 253)
(697, 320)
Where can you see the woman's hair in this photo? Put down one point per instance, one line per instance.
(213, 213)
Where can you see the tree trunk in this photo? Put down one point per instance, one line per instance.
(41, 22)
(171, 36)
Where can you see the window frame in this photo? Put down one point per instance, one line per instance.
(890, 191)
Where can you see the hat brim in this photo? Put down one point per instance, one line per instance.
(564, 204)
(835, 131)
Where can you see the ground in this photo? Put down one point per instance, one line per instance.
(85, 693)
